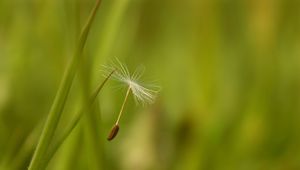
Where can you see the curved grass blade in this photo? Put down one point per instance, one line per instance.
(75, 121)
(61, 97)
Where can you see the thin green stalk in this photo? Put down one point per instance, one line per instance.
(26, 148)
(75, 121)
(61, 97)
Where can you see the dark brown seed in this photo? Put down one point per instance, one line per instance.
(113, 133)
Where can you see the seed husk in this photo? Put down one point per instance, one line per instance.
(113, 133)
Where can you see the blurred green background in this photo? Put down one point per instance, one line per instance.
(229, 72)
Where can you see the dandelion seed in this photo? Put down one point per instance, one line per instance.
(143, 93)
(113, 133)
(140, 92)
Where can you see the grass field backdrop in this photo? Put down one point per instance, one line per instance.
(229, 72)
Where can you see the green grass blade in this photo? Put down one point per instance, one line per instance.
(75, 121)
(61, 97)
